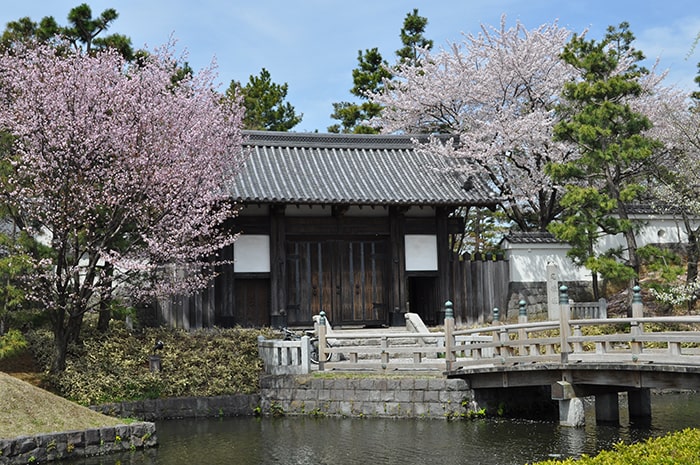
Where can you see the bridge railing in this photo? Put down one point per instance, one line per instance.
(672, 340)
(636, 339)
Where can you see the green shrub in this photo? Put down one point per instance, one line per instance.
(114, 367)
(12, 343)
(679, 448)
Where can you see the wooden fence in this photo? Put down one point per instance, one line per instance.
(480, 284)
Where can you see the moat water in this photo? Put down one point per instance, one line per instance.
(345, 441)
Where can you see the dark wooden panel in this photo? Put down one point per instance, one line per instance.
(252, 303)
(337, 226)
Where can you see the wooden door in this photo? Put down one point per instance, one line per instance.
(361, 290)
(346, 279)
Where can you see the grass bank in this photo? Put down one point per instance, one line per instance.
(28, 410)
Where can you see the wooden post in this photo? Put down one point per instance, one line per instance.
(496, 337)
(564, 328)
(578, 346)
(637, 305)
(635, 346)
(522, 318)
(322, 341)
(449, 336)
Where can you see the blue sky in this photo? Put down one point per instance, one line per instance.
(312, 44)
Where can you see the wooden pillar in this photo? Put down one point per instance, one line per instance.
(607, 408)
(278, 269)
(443, 254)
(399, 296)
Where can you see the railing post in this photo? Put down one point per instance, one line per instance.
(635, 346)
(449, 336)
(384, 344)
(305, 361)
(564, 329)
(578, 346)
(522, 318)
(637, 305)
(321, 341)
(495, 335)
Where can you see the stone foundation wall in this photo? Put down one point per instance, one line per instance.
(399, 397)
(44, 448)
(535, 296)
(183, 407)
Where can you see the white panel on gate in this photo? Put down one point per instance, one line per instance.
(251, 254)
(421, 252)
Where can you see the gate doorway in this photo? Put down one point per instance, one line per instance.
(423, 298)
(348, 279)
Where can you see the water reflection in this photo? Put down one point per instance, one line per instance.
(301, 441)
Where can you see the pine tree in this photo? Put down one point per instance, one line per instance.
(613, 150)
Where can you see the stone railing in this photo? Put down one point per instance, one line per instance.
(285, 357)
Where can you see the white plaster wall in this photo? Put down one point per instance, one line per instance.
(529, 264)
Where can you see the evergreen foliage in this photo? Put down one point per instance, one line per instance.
(372, 74)
(609, 135)
(265, 108)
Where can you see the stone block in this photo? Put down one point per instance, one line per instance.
(417, 396)
(92, 437)
(456, 385)
(431, 396)
(406, 384)
(345, 408)
(403, 395)
(107, 434)
(367, 384)
(393, 384)
(25, 444)
(420, 384)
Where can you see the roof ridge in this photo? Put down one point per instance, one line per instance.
(327, 140)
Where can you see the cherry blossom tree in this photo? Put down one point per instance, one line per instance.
(676, 183)
(496, 92)
(117, 169)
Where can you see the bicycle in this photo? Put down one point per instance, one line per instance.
(290, 335)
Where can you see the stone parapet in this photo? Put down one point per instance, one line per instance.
(48, 447)
(393, 397)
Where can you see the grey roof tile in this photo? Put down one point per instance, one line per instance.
(349, 169)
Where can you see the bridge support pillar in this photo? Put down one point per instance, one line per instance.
(607, 408)
(639, 401)
(571, 412)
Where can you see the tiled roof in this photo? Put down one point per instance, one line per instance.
(349, 169)
(537, 237)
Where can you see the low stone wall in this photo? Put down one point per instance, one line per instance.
(183, 407)
(394, 397)
(44, 448)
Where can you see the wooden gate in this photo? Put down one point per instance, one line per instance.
(347, 279)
